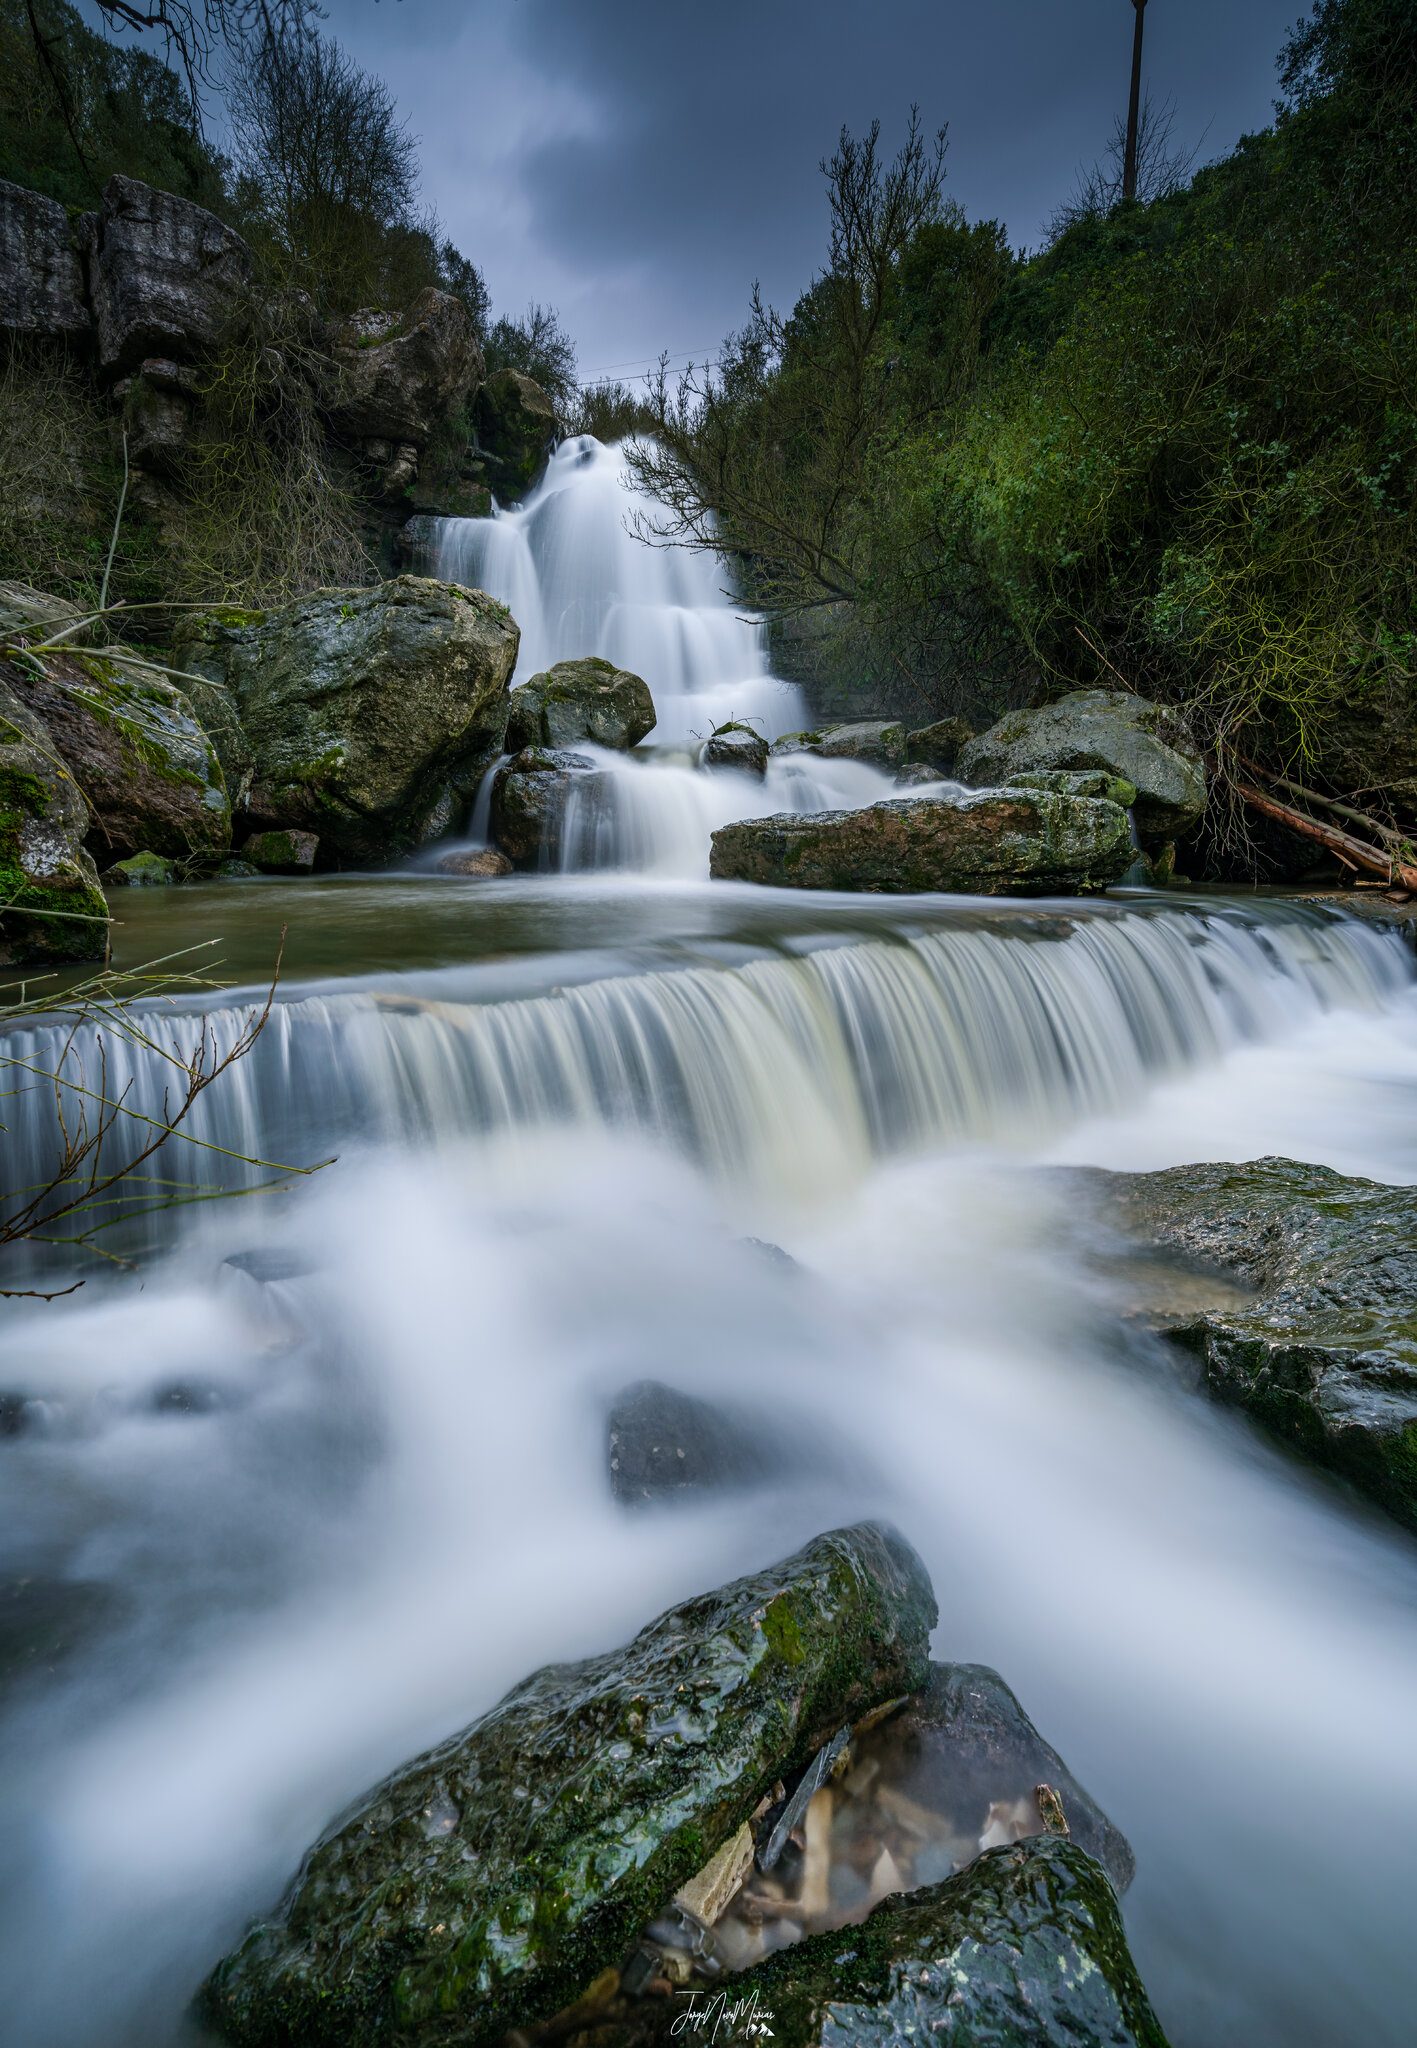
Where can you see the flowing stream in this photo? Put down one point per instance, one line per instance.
(320, 1474)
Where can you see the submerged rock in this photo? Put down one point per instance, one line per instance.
(481, 862)
(1318, 1340)
(579, 701)
(661, 1444)
(1024, 1949)
(1107, 729)
(736, 746)
(51, 905)
(358, 708)
(486, 1884)
(994, 843)
(530, 801)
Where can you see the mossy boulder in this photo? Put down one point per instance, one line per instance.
(516, 430)
(361, 709)
(130, 737)
(281, 852)
(1108, 729)
(140, 871)
(736, 746)
(533, 800)
(878, 740)
(579, 701)
(51, 905)
(1078, 782)
(487, 1884)
(939, 745)
(1313, 1327)
(994, 843)
(1023, 1949)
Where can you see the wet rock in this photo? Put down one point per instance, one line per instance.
(516, 429)
(487, 1884)
(994, 843)
(1078, 782)
(402, 374)
(166, 275)
(661, 1444)
(281, 852)
(53, 907)
(131, 738)
(1107, 729)
(794, 742)
(480, 862)
(736, 746)
(938, 746)
(915, 775)
(531, 800)
(1024, 1949)
(41, 275)
(580, 701)
(1310, 1324)
(878, 740)
(773, 1253)
(236, 871)
(360, 707)
(140, 871)
(44, 1619)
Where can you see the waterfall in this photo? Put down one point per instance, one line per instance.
(577, 581)
(789, 1071)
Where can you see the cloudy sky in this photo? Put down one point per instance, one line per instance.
(639, 163)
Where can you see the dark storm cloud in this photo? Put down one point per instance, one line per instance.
(641, 164)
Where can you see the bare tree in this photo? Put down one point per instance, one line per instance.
(1161, 167)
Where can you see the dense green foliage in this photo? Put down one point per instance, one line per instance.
(1176, 447)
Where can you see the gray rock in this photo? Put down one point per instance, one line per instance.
(1107, 729)
(402, 374)
(133, 741)
(53, 908)
(516, 429)
(167, 276)
(579, 701)
(736, 746)
(1023, 1949)
(41, 276)
(486, 1884)
(915, 775)
(939, 745)
(995, 843)
(1078, 782)
(531, 799)
(879, 740)
(1299, 1302)
(661, 1444)
(360, 708)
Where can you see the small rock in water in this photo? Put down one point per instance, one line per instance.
(139, 871)
(915, 775)
(662, 1444)
(236, 871)
(282, 853)
(478, 861)
(736, 746)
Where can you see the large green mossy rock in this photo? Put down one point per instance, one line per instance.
(488, 1883)
(1124, 735)
(580, 701)
(1313, 1330)
(362, 712)
(995, 843)
(51, 905)
(131, 738)
(1023, 1949)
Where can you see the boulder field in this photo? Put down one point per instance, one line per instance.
(770, 1799)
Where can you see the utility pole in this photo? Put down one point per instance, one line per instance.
(1129, 166)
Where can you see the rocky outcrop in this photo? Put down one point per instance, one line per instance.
(1314, 1304)
(1108, 729)
(41, 275)
(532, 800)
(51, 905)
(444, 1902)
(516, 429)
(1024, 1949)
(133, 743)
(402, 374)
(736, 746)
(995, 843)
(363, 712)
(166, 276)
(579, 701)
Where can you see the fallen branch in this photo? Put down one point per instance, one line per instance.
(1387, 833)
(1355, 851)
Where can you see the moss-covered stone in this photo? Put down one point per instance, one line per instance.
(1108, 729)
(938, 745)
(1114, 789)
(579, 701)
(486, 1884)
(140, 871)
(281, 852)
(1313, 1329)
(736, 746)
(1024, 1949)
(878, 740)
(51, 905)
(994, 843)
